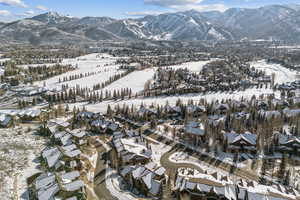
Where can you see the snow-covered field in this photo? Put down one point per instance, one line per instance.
(36, 65)
(4, 59)
(158, 150)
(282, 74)
(135, 80)
(192, 66)
(162, 100)
(102, 64)
(18, 150)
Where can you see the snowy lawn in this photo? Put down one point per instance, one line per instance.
(247, 94)
(18, 152)
(192, 66)
(282, 74)
(135, 80)
(101, 64)
(158, 150)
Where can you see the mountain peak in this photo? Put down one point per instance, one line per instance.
(51, 18)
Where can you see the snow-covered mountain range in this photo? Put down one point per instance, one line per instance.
(279, 22)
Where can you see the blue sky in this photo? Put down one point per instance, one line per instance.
(15, 9)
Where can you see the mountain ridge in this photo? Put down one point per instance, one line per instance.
(276, 22)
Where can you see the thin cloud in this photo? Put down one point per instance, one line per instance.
(40, 7)
(182, 5)
(18, 3)
(5, 13)
(169, 3)
(202, 8)
(143, 13)
(29, 12)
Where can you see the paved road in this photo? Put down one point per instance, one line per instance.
(99, 181)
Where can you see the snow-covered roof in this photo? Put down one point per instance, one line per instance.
(73, 186)
(190, 185)
(144, 110)
(29, 113)
(73, 153)
(72, 198)
(246, 138)
(48, 193)
(195, 128)
(148, 180)
(66, 139)
(52, 156)
(193, 108)
(70, 176)
(126, 170)
(137, 148)
(151, 166)
(77, 133)
(60, 122)
(69, 147)
(291, 112)
(293, 141)
(44, 180)
(85, 114)
(195, 131)
(113, 126)
(270, 113)
(160, 171)
(203, 187)
(137, 173)
(100, 123)
(222, 107)
(58, 135)
(5, 120)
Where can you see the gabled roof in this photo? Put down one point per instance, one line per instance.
(73, 153)
(100, 123)
(60, 122)
(59, 135)
(66, 139)
(69, 147)
(160, 171)
(113, 126)
(151, 166)
(5, 119)
(77, 133)
(222, 107)
(237, 139)
(44, 181)
(29, 113)
(190, 185)
(72, 198)
(138, 172)
(126, 170)
(70, 176)
(73, 186)
(48, 193)
(85, 114)
(148, 180)
(52, 156)
(203, 187)
(294, 141)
